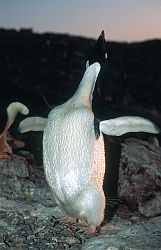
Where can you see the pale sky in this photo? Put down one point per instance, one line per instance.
(122, 20)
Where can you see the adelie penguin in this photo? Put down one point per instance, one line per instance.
(73, 150)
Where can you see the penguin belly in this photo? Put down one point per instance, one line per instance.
(74, 163)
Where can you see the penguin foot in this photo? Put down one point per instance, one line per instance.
(68, 219)
(88, 229)
(5, 148)
(79, 225)
(83, 226)
(4, 155)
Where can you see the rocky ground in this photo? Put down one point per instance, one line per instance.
(28, 214)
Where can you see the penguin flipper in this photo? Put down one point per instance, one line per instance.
(34, 123)
(125, 124)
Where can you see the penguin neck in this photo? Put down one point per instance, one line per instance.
(84, 94)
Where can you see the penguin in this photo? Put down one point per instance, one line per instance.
(75, 171)
(12, 110)
(73, 150)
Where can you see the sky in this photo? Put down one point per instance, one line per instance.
(122, 20)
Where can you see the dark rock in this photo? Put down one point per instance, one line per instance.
(17, 167)
(140, 178)
(52, 65)
(18, 180)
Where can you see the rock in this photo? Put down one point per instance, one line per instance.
(140, 178)
(17, 180)
(17, 167)
(143, 235)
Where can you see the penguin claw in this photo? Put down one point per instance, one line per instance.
(86, 229)
(83, 227)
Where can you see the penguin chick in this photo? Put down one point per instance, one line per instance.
(13, 109)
